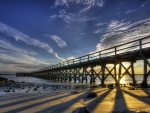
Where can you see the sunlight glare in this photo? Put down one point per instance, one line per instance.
(122, 81)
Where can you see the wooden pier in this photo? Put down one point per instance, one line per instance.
(23, 74)
(94, 65)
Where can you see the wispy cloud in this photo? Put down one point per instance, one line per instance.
(17, 58)
(57, 39)
(129, 11)
(144, 3)
(3, 51)
(84, 19)
(85, 5)
(100, 30)
(18, 36)
(100, 24)
(88, 3)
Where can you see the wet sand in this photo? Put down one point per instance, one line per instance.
(107, 101)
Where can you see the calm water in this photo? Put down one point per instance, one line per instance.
(126, 79)
(26, 79)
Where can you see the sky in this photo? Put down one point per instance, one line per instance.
(39, 33)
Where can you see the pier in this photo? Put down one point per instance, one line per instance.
(23, 74)
(94, 65)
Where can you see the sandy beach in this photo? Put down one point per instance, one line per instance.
(114, 100)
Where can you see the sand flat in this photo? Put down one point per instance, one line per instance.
(107, 101)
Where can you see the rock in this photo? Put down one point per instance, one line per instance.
(132, 88)
(13, 90)
(8, 90)
(35, 89)
(110, 86)
(3, 79)
(12, 81)
(81, 110)
(37, 86)
(92, 94)
(28, 90)
(22, 82)
(44, 88)
(74, 92)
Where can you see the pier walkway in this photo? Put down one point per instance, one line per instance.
(86, 69)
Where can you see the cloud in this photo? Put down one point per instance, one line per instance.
(68, 18)
(3, 51)
(17, 59)
(70, 58)
(84, 19)
(9, 47)
(57, 39)
(120, 32)
(100, 30)
(100, 24)
(144, 3)
(117, 26)
(129, 11)
(18, 36)
(88, 3)
(78, 15)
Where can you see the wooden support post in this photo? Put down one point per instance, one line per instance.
(82, 79)
(79, 74)
(84, 76)
(144, 82)
(119, 73)
(70, 75)
(66, 75)
(59, 76)
(115, 73)
(91, 76)
(63, 75)
(92, 79)
(133, 75)
(103, 73)
(75, 75)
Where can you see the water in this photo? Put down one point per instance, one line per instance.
(26, 79)
(126, 79)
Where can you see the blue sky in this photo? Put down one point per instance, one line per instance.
(38, 33)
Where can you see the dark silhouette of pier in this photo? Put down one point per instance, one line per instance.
(80, 69)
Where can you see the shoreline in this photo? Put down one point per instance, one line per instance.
(108, 100)
(114, 100)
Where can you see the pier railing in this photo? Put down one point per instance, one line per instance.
(132, 46)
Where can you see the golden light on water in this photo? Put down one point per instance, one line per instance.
(122, 81)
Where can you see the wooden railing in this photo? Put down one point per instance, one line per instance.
(131, 46)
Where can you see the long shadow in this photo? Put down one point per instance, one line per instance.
(52, 109)
(120, 104)
(146, 91)
(87, 99)
(93, 104)
(137, 97)
(18, 96)
(100, 91)
(23, 101)
(36, 104)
